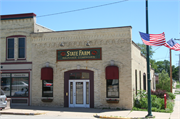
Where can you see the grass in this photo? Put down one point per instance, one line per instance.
(177, 86)
(177, 92)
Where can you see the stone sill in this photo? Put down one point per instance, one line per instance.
(47, 99)
(112, 100)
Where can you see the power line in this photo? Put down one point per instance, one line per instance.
(156, 48)
(83, 8)
(166, 53)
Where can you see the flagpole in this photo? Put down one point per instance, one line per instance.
(170, 71)
(148, 68)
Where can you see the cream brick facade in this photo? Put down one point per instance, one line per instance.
(42, 45)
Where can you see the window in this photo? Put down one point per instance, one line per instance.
(79, 75)
(144, 81)
(10, 48)
(16, 47)
(47, 88)
(15, 84)
(140, 79)
(19, 87)
(21, 48)
(112, 88)
(2, 93)
(136, 80)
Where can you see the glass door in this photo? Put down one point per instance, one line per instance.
(79, 93)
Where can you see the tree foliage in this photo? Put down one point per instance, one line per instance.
(159, 66)
(165, 65)
(143, 50)
(175, 72)
(164, 81)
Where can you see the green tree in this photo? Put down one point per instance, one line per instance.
(164, 81)
(153, 65)
(159, 66)
(175, 73)
(163, 65)
(143, 50)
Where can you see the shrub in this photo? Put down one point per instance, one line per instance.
(169, 106)
(141, 102)
(159, 93)
(171, 96)
(164, 81)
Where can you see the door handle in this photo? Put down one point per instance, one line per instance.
(66, 93)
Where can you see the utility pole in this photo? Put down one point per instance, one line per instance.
(179, 61)
(179, 68)
(170, 70)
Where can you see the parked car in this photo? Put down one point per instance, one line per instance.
(16, 85)
(3, 100)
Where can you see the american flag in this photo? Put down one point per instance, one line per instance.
(172, 45)
(153, 39)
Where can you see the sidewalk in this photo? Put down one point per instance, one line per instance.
(89, 112)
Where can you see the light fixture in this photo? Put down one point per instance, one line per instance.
(78, 66)
(112, 62)
(62, 44)
(47, 64)
(87, 44)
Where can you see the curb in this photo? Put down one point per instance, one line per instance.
(17, 113)
(106, 117)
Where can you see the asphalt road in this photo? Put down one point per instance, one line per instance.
(41, 117)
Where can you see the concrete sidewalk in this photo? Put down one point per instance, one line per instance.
(89, 112)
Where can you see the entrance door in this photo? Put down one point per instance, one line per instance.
(79, 93)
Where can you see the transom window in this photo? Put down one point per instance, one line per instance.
(16, 52)
(79, 75)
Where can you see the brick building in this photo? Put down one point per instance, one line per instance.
(76, 68)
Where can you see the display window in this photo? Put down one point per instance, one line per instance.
(15, 84)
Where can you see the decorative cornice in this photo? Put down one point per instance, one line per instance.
(39, 38)
(80, 43)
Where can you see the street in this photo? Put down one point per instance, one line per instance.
(41, 117)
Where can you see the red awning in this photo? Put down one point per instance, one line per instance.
(112, 72)
(47, 73)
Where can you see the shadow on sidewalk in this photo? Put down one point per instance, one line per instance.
(66, 109)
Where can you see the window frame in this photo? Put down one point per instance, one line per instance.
(107, 88)
(16, 36)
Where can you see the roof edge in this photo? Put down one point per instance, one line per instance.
(84, 29)
(17, 16)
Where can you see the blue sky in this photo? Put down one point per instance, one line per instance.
(164, 16)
